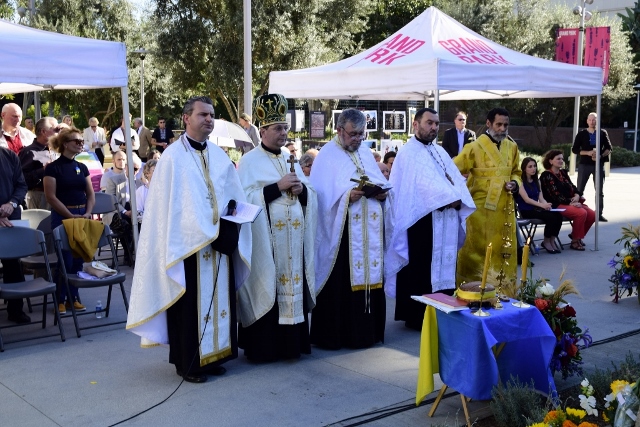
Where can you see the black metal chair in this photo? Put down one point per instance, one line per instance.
(106, 205)
(61, 242)
(20, 242)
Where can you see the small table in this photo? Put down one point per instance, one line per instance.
(463, 352)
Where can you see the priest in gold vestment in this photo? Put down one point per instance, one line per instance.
(492, 166)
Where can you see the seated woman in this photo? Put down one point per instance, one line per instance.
(560, 191)
(532, 205)
(68, 189)
(143, 190)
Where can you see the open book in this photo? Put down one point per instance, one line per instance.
(442, 302)
(373, 190)
(245, 212)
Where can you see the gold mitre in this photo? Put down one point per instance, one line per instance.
(270, 109)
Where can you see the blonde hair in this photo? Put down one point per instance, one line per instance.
(57, 141)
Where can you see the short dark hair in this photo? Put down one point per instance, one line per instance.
(548, 156)
(387, 156)
(421, 112)
(498, 111)
(189, 105)
(162, 118)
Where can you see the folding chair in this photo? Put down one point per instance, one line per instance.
(19, 242)
(106, 204)
(61, 242)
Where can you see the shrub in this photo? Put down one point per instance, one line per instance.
(516, 404)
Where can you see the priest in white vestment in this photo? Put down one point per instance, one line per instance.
(351, 307)
(430, 208)
(280, 291)
(190, 262)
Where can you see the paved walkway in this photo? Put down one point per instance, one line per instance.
(105, 377)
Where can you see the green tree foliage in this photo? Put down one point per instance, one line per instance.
(6, 9)
(201, 41)
(529, 26)
(104, 20)
(631, 24)
(388, 16)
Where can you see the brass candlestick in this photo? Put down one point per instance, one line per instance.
(481, 312)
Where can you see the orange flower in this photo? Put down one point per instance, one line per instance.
(541, 304)
(572, 350)
(568, 423)
(587, 424)
(552, 415)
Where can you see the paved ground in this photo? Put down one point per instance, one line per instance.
(105, 377)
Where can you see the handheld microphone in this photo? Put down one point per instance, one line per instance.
(231, 207)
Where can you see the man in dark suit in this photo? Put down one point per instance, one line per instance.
(457, 137)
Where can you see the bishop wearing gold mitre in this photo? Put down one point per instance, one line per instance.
(279, 293)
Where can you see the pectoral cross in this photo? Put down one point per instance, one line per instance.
(292, 169)
(364, 180)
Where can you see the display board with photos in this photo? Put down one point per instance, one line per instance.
(394, 121)
(372, 120)
(412, 115)
(317, 124)
(334, 115)
(387, 145)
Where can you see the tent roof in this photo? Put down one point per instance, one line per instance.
(435, 52)
(42, 60)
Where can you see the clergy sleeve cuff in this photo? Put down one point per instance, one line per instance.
(302, 197)
(227, 240)
(271, 192)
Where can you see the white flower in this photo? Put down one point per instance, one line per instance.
(546, 290)
(588, 404)
(609, 398)
(585, 383)
(623, 252)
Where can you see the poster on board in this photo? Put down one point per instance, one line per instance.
(394, 121)
(317, 125)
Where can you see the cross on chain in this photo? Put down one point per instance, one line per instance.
(293, 161)
(364, 180)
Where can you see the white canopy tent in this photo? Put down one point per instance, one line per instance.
(435, 53)
(41, 60)
(434, 56)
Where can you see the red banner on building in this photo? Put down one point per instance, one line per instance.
(597, 50)
(567, 45)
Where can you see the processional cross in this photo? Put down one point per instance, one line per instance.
(293, 161)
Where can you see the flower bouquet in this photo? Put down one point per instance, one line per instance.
(621, 405)
(561, 317)
(570, 417)
(626, 262)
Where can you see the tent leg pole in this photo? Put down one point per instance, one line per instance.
(599, 170)
(132, 176)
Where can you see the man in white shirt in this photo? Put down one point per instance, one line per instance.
(118, 139)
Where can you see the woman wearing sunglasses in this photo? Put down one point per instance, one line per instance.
(68, 189)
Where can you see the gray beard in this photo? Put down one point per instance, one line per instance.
(497, 136)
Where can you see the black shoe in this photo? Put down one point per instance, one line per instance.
(20, 318)
(216, 370)
(192, 378)
(603, 219)
(551, 251)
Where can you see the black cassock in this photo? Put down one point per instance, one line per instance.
(266, 340)
(340, 318)
(182, 317)
(415, 277)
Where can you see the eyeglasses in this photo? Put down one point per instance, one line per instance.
(461, 120)
(281, 128)
(308, 166)
(354, 135)
(161, 122)
(79, 142)
(136, 169)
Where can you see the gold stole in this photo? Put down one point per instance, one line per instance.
(496, 175)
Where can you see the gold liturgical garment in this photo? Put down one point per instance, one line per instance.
(489, 169)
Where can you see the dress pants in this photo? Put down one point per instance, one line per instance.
(584, 172)
(583, 218)
(71, 264)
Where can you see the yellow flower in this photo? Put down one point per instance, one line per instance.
(628, 261)
(618, 385)
(576, 414)
(539, 425)
(604, 417)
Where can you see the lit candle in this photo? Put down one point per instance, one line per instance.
(525, 260)
(487, 261)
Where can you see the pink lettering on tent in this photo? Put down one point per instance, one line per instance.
(398, 44)
(445, 44)
(415, 45)
(495, 59)
(486, 47)
(377, 54)
(458, 46)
